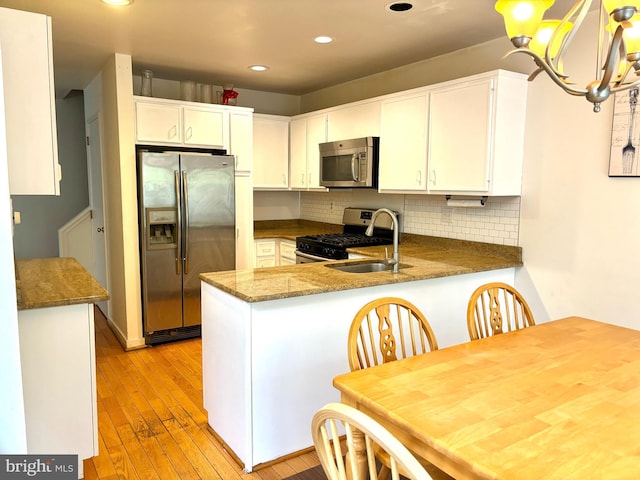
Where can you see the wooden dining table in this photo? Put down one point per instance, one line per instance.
(559, 400)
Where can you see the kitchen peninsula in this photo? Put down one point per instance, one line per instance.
(274, 338)
(57, 353)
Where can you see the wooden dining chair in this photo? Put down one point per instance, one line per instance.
(387, 329)
(496, 308)
(338, 455)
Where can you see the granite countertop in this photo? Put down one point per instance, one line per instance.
(423, 257)
(290, 229)
(52, 282)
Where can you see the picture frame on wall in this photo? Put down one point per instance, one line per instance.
(624, 158)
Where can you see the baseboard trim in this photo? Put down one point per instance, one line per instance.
(260, 466)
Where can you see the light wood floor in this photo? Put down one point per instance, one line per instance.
(151, 421)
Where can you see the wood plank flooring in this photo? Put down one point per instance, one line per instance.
(151, 421)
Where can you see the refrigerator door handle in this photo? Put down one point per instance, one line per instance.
(179, 226)
(185, 191)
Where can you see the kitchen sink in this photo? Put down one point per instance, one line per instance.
(364, 267)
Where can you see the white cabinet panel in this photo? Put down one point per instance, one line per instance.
(29, 98)
(244, 223)
(270, 152)
(169, 122)
(306, 133)
(354, 121)
(316, 134)
(298, 153)
(403, 144)
(241, 140)
(57, 350)
(459, 137)
(156, 122)
(204, 126)
(476, 135)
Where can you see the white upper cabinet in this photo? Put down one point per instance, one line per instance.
(403, 144)
(306, 133)
(170, 122)
(476, 135)
(270, 152)
(158, 122)
(204, 126)
(354, 121)
(29, 103)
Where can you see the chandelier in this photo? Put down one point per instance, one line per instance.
(546, 42)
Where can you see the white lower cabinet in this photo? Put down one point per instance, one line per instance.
(57, 352)
(266, 253)
(287, 252)
(476, 135)
(250, 386)
(272, 252)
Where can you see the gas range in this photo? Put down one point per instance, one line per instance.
(333, 246)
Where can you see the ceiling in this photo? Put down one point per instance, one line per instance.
(214, 41)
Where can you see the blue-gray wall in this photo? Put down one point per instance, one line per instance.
(43, 215)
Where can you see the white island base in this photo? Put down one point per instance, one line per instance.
(268, 366)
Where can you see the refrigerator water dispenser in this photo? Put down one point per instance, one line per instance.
(161, 227)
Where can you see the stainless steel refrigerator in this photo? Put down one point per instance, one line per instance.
(187, 227)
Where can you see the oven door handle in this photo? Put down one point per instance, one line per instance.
(315, 258)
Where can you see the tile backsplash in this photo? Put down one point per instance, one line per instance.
(497, 222)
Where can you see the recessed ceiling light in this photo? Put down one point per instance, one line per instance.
(323, 39)
(399, 6)
(118, 3)
(258, 68)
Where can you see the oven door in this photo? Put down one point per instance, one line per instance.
(302, 257)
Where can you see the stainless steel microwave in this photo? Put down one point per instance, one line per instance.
(350, 163)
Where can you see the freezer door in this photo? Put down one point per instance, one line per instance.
(161, 262)
(209, 223)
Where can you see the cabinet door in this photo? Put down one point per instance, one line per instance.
(241, 140)
(354, 122)
(316, 134)
(403, 144)
(459, 137)
(265, 253)
(29, 103)
(298, 153)
(287, 253)
(156, 122)
(270, 152)
(203, 126)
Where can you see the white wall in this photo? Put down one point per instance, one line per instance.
(579, 228)
(261, 102)
(110, 93)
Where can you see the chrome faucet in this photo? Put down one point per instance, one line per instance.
(395, 259)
